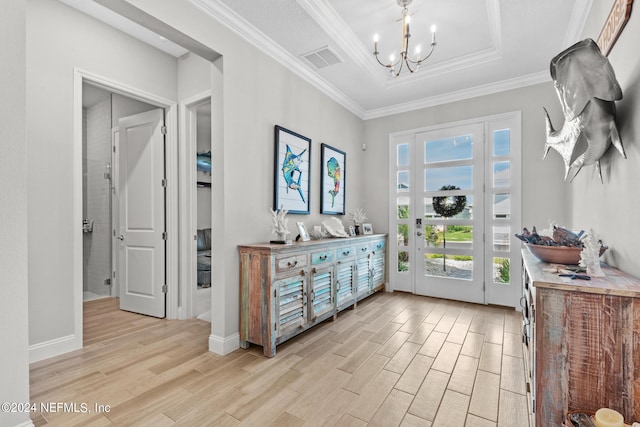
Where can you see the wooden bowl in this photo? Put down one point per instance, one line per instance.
(555, 254)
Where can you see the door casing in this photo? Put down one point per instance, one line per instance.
(494, 294)
(171, 120)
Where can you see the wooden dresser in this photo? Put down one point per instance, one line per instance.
(582, 342)
(286, 289)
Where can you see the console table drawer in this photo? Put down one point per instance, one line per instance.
(287, 263)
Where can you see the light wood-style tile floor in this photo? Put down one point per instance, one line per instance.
(396, 360)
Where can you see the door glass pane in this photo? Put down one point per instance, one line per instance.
(448, 149)
(403, 208)
(403, 180)
(403, 154)
(502, 205)
(403, 235)
(403, 262)
(501, 270)
(454, 266)
(501, 174)
(501, 235)
(466, 213)
(458, 176)
(448, 236)
(501, 142)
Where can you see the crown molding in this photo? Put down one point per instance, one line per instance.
(579, 15)
(458, 64)
(482, 90)
(227, 17)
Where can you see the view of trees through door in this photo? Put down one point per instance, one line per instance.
(454, 206)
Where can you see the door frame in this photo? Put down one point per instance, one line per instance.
(510, 298)
(81, 76)
(187, 201)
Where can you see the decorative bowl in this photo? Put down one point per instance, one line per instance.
(555, 254)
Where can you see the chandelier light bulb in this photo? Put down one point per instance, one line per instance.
(433, 28)
(376, 37)
(392, 57)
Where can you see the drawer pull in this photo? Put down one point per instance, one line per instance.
(363, 249)
(345, 253)
(292, 264)
(322, 257)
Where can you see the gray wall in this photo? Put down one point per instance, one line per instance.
(14, 368)
(612, 209)
(257, 93)
(59, 39)
(253, 102)
(543, 197)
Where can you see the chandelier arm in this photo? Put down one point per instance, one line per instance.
(420, 60)
(389, 65)
(411, 70)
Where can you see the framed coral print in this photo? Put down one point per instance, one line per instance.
(332, 180)
(292, 172)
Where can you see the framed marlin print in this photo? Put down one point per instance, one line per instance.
(292, 172)
(332, 180)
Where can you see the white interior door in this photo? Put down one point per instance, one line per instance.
(141, 202)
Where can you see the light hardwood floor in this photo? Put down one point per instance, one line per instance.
(396, 360)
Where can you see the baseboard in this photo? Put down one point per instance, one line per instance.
(47, 349)
(25, 424)
(224, 345)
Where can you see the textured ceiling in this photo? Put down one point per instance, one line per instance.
(484, 46)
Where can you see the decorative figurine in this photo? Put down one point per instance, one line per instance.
(279, 227)
(590, 255)
(587, 88)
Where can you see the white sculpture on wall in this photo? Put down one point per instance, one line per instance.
(587, 88)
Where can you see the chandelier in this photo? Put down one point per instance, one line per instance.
(412, 64)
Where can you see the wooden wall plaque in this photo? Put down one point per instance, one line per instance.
(617, 19)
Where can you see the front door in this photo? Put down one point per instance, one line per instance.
(454, 207)
(449, 216)
(141, 204)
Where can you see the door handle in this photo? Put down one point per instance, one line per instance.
(418, 233)
(121, 237)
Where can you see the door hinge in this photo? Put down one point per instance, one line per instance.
(165, 236)
(114, 232)
(114, 148)
(163, 129)
(164, 289)
(163, 182)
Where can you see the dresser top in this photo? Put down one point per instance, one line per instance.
(615, 281)
(312, 244)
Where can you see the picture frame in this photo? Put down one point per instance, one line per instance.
(352, 231)
(203, 169)
(367, 229)
(332, 180)
(302, 230)
(292, 171)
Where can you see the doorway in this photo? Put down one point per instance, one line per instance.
(138, 214)
(454, 207)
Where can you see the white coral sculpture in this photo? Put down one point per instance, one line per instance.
(279, 226)
(590, 255)
(358, 216)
